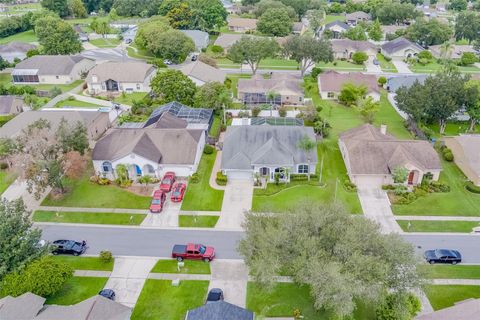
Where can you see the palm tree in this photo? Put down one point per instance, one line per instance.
(307, 145)
(271, 97)
(224, 98)
(446, 50)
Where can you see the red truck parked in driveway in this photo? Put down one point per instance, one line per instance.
(193, 251)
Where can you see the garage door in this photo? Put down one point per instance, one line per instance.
(369, 181)
(240, 175)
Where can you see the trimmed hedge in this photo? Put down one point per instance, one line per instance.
(447, 154)
(472, 188)
(221, 179)
(302, 177)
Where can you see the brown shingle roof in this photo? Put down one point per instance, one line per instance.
(332, 81)
(242, 23)
(464, 310)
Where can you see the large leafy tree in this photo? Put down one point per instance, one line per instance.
(389, 12)
(208, 14)
(431, 32)
(410, 100)
(172, 44)
(300, 6)
(213, 95)
(275, 22)
(458, 5)
(467, 25)
(252, 50)
(149, 30)
(264, 5)
(173, 85)
(356, 33)
(180, 17)
(472, 102)
(77, 8)
(375, 31)
(57, 36)
(18, 240)
(129, 8)
(342, 258)
(307, 51)
(60, 7)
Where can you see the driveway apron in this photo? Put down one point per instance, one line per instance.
(401, 66)
(236, 200)
(232, 277)
(167, 218)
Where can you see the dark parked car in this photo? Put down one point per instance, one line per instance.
(107, 293)
(69, 247)
(214, 295)
(443, 256)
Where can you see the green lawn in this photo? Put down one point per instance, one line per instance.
(5, 78)
(453, 128)
(76, 103)
(216, 126)
(387, 66)
(437, 226)
(89, 217)
(5, 119)
(452, 272)
(286, 297)
(200, 196)
(6, 178)
(105, 43)
(191, 267)
(234, 78)
(444, 296)
(128, 98)
(341, 65)
(85, 194)
(387, 115)
(160, 300)
(139, 54)
(26, 36)
(433, 67)
(278, 64)
(197, 221)
(85, 263)
(63, 87)
(330, 18)
(457, 202)
(77, 289)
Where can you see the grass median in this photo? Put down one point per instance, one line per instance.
(437, 226)
(88, 217)
(190, 221)
(444, 296)
(77, 289)
(190, 267)
(86, 263)
(451, 272)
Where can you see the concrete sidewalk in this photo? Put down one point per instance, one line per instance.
(462, 282)
(18, 189)
(180, 276)
(92, 273)
(438, 218)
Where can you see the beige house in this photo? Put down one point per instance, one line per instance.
(299, 28)
(242, 24)
(120, 77)
(51, 69)
(286, 87)
(330, 84)
(356, 17)
(400, 48)
(466, 154)
(454, 52)
(201, 73)
(371, 155)
(345, 48)
(10, 105)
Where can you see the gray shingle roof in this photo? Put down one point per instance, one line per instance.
(16, 46)
(24, 307)
(283, 84)
(50, 65)
(219, 311)
(121, 72)
(340, 45)
(395, 82)
(199, 37)
(245, 146)
(399, 44)
(337, 23)
(203, 72)
(464, 310)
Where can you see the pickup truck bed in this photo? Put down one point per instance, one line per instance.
(179, 249)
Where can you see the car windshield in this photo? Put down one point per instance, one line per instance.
(166, 181)
(176, 192)
(156, 201)
(202, 249)
(70, 244)
(441, 253)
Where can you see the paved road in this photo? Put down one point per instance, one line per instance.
(159, 242)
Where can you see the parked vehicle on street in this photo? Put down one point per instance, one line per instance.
(167, 181)
(375, 62)
(69, 247)
(193, 251)
(178, 191)
(158, 200)
(214, 295)
(107, 293)
(443, 256)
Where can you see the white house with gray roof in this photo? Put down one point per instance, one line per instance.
(201, 73)
(400, 48)
(267, 151)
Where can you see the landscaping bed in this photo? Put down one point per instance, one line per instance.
(191, 221)
(437, 226)
(77, 289)
(444, 296)
(160, 300)
(88, 217)
(190, 267)
(86, 263)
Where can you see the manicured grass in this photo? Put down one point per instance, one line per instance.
(5, 119)
(197, 221)
(278, 64)
(6, 179)
(26, 36)
(128, 98)
(190, 266)
(85, 194)
(453, 128)
(85, 263)
(139, 54)
(286, 297)
(387, 115)
(89, 217)
(5, 78)
(437, 226)
(444, 296)
(160, 300)
(76, 103)
(77, 289)
(234, 78)
(341, 65)
(330, 18)
(215, 128)
(387, 66)
(433, 67)
(63, 87)
(452, 272)
(457, 202)
(200, 196)
(105, 43)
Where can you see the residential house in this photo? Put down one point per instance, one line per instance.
(226, 40)
(371, 155)
(468, 309)
(200, 38)
(242, 24)
(466, 154)
(201, 73)
(95, 122)
(330, 84)
(120, 77)
(396, 82)
(400, 48)
(345, 48)
(454, 52)
(392, 29)
(220, 310)
(15, 49)
(286, 87)
(167, 146)
(29, 306)
(356, 17)
(10, 105)
(51, 69)
(270, 151)
(299, 28)
(336, 27)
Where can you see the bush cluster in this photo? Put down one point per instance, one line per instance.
(106, 256)
(447, 154)
(302, 177)
(221, 179)
(194, 178)
(349, 186)
(405, 197)
(3, 165)
(99, 180)
(472, 188)
(208, 149)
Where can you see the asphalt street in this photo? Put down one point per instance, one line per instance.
(136, 241)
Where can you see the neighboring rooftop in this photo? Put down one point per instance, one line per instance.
(395, 82)
(49, 65)
(357, 15)
(190, 115)
(339, 45)
(200, 38)
(464, 310)
(455, 51)
(242, 23)
(283, 84)
(339, 23)
(226, 40)
(203, 72)
(466, 149)
(16, 46)
(219, 311)
(24, 307)
(399, 44)
(120, 72)
(332, 81)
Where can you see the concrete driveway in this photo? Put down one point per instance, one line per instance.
(401, 66)
(372, 67)
(236, 200)
(232, 277)
(167, 218)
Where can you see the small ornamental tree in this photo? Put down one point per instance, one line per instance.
(359, 57)
(468, 58)
(400, 175)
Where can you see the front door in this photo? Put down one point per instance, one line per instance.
(410, 177)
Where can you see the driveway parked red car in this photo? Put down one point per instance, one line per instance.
(178, 191)
(158, 200)
(167, 181)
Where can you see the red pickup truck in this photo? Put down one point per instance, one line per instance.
(193, 251)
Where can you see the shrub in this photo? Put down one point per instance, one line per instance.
(359, 57)
(55, 91)
(423, 62)
(406, 198)
(217, 49)
(425, 54)
(437, 186)
(420, 192)
(472, 188)
(194, 178)
(221, 179)
(315, 72)
(208, 149)
(400, 190)
(3, 165)
(243, 114)
(282, 111)
(302, 177)
(123, 183)
(447, 154)
(228, 83)
(388, 187)
(382, 81)
(398, 307)
(468, 58)
(256, 111)
(106, 256)
(159, 63)
(349, 186)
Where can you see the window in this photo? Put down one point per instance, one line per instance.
(138, 86)
(107, 166)
(303, 168)
(330, 95)
(300, 99)
(57, 77)
(264, 171)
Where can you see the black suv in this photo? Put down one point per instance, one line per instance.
(443, 256)
(69, 247)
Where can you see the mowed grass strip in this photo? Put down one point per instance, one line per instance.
(190, 267)
(451, 272)
(88, 217)
(444, 296)
(85, 263)
(437, 226)
(160, 300)
(77, 289)
(190, 221)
